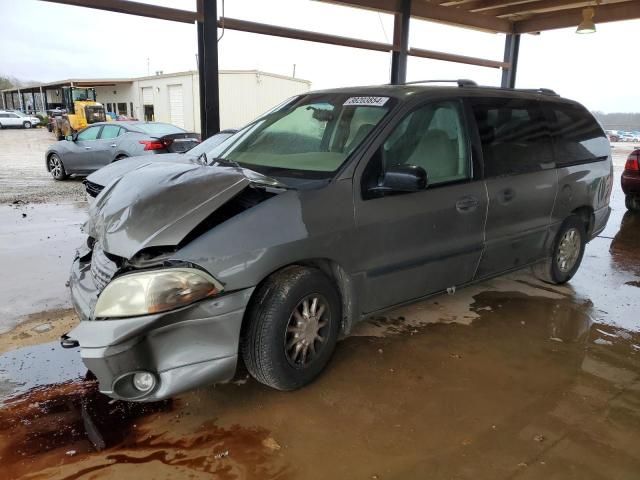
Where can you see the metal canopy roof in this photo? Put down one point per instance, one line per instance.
(506, 16)
(512, 17)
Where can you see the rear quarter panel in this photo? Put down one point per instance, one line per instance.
(586, 185)
(130, 145)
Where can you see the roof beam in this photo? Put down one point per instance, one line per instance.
(134, 8)
(451, 57)
(285, 32)
(305, 35)
(479, 5)
(429, 11)
(570, 18)
(542, 6)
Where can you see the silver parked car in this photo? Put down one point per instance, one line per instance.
(15, 118)
(105, 142)
(334, 206)
(95, 182)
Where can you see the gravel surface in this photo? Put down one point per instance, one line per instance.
(24, 176)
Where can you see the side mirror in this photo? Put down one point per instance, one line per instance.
(403, 178)
(70, 138)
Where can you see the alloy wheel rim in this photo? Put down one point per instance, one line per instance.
(55, 166)
(568, 250)
(307, 330)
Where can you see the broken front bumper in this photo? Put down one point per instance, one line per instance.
(183, 349)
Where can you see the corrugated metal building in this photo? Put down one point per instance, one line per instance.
(173, 97)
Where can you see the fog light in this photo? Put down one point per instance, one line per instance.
(144, 381)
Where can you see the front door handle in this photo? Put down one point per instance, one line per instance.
(113, 145)
(87, 148)
(467, 204)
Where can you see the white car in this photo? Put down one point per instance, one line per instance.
(14, 118)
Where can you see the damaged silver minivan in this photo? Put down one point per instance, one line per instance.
(331, 207)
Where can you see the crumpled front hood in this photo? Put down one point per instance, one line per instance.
(110, 172)
(159, 203)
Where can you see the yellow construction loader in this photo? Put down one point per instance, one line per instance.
(77, 109)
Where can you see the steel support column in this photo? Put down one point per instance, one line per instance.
(511, 49)
(208, 69)
(400, 43)
(4, 100)
(43, 101)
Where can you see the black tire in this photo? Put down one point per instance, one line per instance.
(120, 157)
(550, 270)
(53, 162)
(632, 203)
(267, 331)
(26, 124)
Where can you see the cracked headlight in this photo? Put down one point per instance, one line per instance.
(154, 291)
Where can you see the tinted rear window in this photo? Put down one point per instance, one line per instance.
(159, 129)
(577, 137)
(514, 135)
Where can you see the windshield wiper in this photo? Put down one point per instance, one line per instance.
(225, 162)
(202, 159)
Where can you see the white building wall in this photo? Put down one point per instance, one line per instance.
(120, 93)
(244, 95)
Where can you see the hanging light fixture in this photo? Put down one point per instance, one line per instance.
(587, 25)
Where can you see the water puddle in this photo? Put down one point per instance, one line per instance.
(50, 405)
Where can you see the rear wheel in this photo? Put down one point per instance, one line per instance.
(632, 202)
(56, 167)
(568, 249)
(26, 124)
(292, 328)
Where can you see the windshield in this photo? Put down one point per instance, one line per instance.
(80, 94)
(309, 136)
(160, 129)
(211, 142)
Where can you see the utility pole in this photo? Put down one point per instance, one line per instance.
(294, 70)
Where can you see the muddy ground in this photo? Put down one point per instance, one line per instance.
(508, 379)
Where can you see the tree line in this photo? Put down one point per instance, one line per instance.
(619, 121)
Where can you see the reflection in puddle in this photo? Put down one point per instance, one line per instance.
(625, 246)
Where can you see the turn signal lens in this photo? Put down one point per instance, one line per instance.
(154, 291)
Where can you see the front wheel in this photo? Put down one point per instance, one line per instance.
(26, 124)
(56, 167)
(292, 328)
(568, 250)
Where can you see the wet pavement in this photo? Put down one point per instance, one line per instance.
(508, 379)
(37, 244)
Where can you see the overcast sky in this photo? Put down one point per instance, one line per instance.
(46, 42)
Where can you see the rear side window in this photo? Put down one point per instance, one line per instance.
(577, 137)
(514, 136)
(159, 129)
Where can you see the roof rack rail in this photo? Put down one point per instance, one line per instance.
(544, 91)
(462, 82)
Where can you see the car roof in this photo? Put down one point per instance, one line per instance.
(406, 91)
